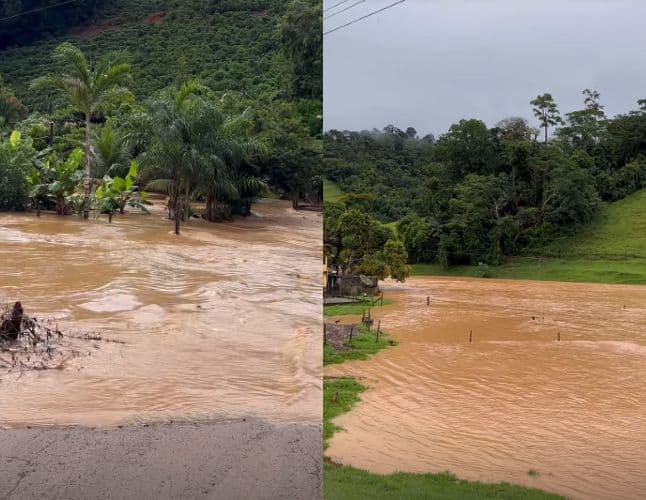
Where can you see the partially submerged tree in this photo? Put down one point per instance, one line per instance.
(86, 88)
(195, 148)
(58, 181)
(116, 193)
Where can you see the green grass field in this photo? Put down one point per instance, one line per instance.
(612, 249)
(364, 344)
(331, 191)
(352, 309)
(339, 396)
(348, 483)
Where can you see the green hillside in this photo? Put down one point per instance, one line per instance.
(229, 45)
(612, 249)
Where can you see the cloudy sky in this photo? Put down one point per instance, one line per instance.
(430, 63)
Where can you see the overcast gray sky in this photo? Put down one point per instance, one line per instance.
(430, 63)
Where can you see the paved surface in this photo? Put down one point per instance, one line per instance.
(247, 459)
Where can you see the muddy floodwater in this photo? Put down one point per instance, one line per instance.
(514, 405)
(220, 322)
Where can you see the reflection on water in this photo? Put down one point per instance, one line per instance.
(222, 321)
(515, 399)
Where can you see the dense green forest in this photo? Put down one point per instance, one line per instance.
(212, 100)
(475, 195)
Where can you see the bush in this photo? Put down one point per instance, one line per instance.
(15, 162)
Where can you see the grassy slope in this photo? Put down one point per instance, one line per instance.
(331, 191)
(610, 250)
(222, 43)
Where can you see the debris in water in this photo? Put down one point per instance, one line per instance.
(29, 343)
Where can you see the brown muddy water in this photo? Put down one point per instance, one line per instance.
(222, 321)
(514, 400)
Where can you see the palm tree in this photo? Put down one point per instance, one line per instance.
(195, 148)
(110, 153)
(86, 89)
(226, 181)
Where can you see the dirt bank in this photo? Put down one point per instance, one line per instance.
(244, 459)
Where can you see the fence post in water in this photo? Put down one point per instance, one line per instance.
(428, 301)
(324, 333)
(351, 331)
(470, 336)
(558, 337)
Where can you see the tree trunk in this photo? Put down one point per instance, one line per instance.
(210, 208)
(178, 213)
(60, 205)
(295, 204)
(545, 134)
(109, 216)
(88, 171)
(10, 327)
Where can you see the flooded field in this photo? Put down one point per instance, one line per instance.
(516, 404)
(222, 321)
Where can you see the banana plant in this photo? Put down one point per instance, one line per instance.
(116, 193)
(57, 180)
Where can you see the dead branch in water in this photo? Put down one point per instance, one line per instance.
(29, 343)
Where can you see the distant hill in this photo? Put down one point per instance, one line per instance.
(611, 249)
(228, 44)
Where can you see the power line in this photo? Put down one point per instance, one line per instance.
(36, 10)
(336, 5)
(343, 10)
(363, 17)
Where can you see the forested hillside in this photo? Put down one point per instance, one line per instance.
(239, 83)
(230, 45)
(477, 194)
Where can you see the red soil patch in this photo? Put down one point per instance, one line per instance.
(93, 31)
(156, 17)
(259, 13)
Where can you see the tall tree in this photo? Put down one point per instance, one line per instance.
(301, 34)
(546, 110)
(86, 88)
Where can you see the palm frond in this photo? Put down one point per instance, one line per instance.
(74, 61)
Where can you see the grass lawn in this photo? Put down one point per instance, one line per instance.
(364, 344)
(348, 483)
(331, 191)
(612, 249)
(339, 396)
(352, 309)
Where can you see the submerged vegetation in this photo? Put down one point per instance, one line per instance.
(478, 196)
(88, 124)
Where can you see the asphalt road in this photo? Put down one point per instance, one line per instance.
(246, 459)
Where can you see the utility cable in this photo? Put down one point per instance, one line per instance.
(343, 10)
(363, 17)
(36, 10)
